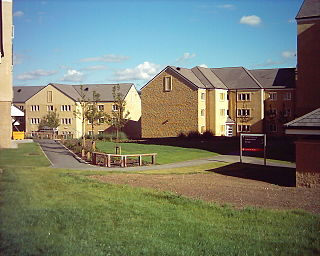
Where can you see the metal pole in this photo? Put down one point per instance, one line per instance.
(240, 148)
(265, 149)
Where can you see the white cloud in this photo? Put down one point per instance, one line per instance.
(17, 58)
(32, 75)
(227, 6)
(186, 56)
(203, 65)
(252, 20)
(144, 71)
(97, 67)
(73, 75)
(18, 14)
(288, 54)
(112, 58)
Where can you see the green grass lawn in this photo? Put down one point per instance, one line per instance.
(166, 154)
(46, 211)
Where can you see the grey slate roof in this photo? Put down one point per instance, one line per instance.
(105, 90)
(275, 78)
(236, 78)
(309, 9)
(23, 93)
(310, 120)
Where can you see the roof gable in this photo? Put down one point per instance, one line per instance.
(309, 9)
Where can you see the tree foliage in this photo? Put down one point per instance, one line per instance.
(119, 116)
(50, 120)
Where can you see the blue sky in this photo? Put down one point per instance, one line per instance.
(101, 41)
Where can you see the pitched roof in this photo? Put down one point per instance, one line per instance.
(105, 90)
(310, 120)
(236, 78)
(23, 93)
(309, 9)
(275, 78)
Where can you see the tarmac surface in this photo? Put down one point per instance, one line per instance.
(61, 157)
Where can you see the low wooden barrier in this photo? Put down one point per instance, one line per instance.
(105, 159)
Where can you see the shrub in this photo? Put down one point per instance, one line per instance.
(194, 135)
(207, 135)
(181, 135)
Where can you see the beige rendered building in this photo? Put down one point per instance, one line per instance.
(225, 101)
(37, 101)
(6, 34)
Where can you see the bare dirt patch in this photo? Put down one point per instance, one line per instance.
(214, 187)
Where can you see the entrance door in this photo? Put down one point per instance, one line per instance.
(229, 130)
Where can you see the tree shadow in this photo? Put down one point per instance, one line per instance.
(281, 176)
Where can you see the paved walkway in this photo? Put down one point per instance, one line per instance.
(60, 157)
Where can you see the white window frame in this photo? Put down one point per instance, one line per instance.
(244, 112)
(203, 96)
(273, 96)
(50, 108)
(65, 108)
(288, 96)
(66, 121)
(222, 96)
(101, 107)
(222, 112)
(244, 96)
(34, 108)
(34, 120)
(241, 126)
(167, 84)
(203, 112)
(115, 107)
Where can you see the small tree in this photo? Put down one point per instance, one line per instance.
(50, 120)
(81, 113)
(93, 114)
(119, 116)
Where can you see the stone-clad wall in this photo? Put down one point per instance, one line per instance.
(166, 114)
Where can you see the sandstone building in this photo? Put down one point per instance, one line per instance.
(37, 101)
(6, 34)
(225, 101)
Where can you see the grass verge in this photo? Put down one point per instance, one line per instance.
(46, 211)
(166, 154)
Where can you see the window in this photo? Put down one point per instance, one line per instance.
(227, 112)
(222, 112)
(202, 112)
(35, 120)
(167, 83)
(244, 96)
(65, 107)
(101, 120)
(89, 121)
(50, 107)
(65, 120)
(272, 127)
(203, 96)
(222, 96)
(115, 107)
(273, 96)
(272, 112)
(21, 107)
(49, 96)
(35, 107)
(90, 133)
(202, 129)
(101, 132)
(222, 128)
(287, 96)
(243, 112)
(287, 112)
(243, 128)
(100, 107)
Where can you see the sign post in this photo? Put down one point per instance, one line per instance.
(253, 143)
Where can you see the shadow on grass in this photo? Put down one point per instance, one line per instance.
(281, 176)
(279, 148)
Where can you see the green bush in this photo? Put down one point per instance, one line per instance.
(207, 135)
(194, 135)
(181, 135)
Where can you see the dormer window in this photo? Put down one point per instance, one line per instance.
(167, 83)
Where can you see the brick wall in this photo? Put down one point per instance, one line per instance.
(308, 163)
(166, 114)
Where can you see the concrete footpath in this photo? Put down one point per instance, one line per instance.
(60, 157)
